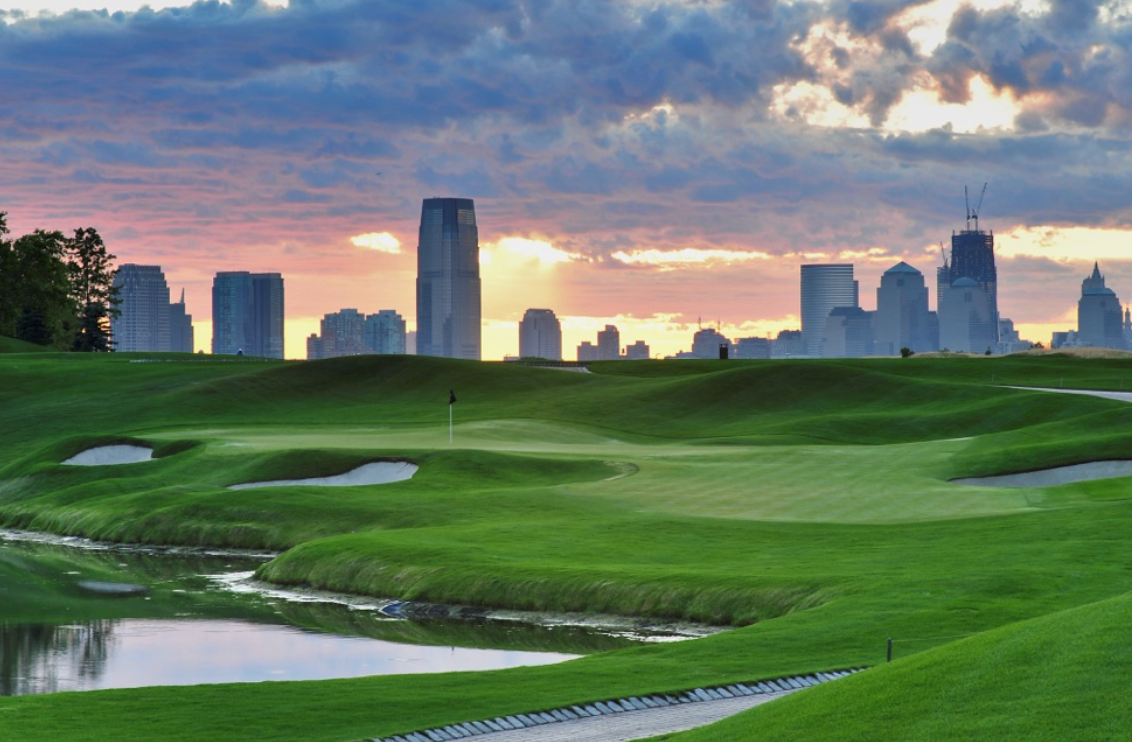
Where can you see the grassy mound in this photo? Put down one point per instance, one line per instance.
(12, 345)
(1053, 678)
(807, 502)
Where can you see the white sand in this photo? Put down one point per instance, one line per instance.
(379, 472)
(1056, 476)
(109, 455)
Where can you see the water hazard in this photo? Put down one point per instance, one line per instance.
(63, 627)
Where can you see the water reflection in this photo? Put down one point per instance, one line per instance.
(132, 653)
(42, 658)
(184, 630)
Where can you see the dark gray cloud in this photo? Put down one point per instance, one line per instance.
(579, 115)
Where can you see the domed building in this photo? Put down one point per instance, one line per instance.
(902, 319)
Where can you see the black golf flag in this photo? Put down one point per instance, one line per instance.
(451, 397)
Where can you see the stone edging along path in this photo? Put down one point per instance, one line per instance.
(617, 706)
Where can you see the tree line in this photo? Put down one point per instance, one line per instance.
(57, 290)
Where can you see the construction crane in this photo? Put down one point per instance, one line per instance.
(973, 213)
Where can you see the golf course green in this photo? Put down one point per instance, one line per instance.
(807, 504)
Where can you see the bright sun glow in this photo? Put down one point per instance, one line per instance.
(524, 248)
(671, 259)
(921, 110)
(926, 25)
(379, 241)
(1065, 244)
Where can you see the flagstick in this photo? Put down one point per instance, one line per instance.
(450, 423)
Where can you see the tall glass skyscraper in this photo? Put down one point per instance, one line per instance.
(180, 327)
(540, 335)
(247, 314)
(825, 286)
(143, 322)
(448, 280)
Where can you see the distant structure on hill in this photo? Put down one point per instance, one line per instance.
(147, 321)
(448, 280)
(972, 259)
(180, 327)
(608, 347)
(608, 344)
(751, 348)
(788, 344)
(638, 351)
(540, 335)
(707, 343)
(1099, 315)
(825, 286)
(247, 314)
(385, 333)
(966, 319)
(348, 332)
(848, 333)
(902, 319)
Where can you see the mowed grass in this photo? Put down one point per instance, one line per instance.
(1064, 676)
(807, 502)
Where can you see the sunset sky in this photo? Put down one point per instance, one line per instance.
(637, 163)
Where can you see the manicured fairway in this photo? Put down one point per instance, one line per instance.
(807, 502)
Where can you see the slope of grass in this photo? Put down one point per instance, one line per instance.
(806, 501)
(12, 345)
(1059, 677)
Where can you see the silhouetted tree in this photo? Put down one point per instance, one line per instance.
(95, 297)
(57, 291)
(37, 288)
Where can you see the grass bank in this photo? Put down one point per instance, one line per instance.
(807, 502)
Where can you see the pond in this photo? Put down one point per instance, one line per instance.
(65, 625)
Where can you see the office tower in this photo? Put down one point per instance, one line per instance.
(638, 351)
(247, 314)
(180, 327)
(788, 344)
(609, 344)
(385, 333)
(972, 256)
(966, 320)
(587, 351)
(448, 280)
(825, 286)
(706, 343)
(540, 335)
(901, 319)
(752, 348)
(848, 333)
(143, 324)
(340, 333)
(1099, 318)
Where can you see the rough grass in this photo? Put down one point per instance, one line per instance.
(807, 499)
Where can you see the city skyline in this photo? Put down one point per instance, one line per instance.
(686, 175)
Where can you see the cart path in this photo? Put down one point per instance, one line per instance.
(636, 717)
(636, 724)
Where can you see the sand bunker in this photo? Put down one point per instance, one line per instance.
(1056, 476)
(379, 472)
(109, 455)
